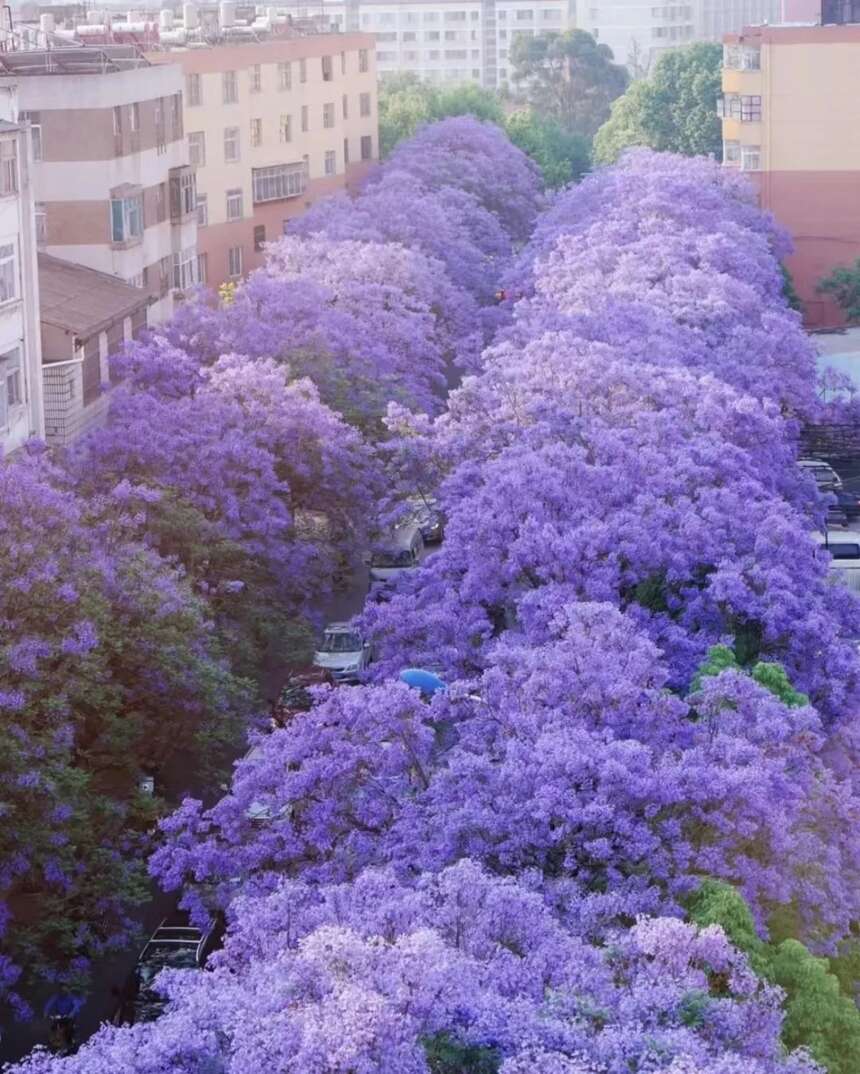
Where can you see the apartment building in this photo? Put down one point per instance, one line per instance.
(20, 353)
(791, 118)
(638, 31)
(272, 125)
(447, 41)
(113, 187)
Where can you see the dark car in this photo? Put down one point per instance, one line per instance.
(295, 697)
(846, 502)
(175, 944)
(429, 520)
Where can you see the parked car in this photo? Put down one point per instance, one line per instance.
(398, 552)
(428, 518)
(175, 944)
(844, 550)
(825, 476)
(295, 697)
(847, 502)
(343, 652)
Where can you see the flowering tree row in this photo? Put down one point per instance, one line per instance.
(155, 563)
(652, 684)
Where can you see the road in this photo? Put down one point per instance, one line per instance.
(110, 974)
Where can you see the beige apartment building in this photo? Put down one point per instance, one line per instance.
(272, 125)
(113, 187)
(791, 119)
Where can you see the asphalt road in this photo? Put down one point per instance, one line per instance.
(110, 974)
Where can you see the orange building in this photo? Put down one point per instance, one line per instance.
(791, 117)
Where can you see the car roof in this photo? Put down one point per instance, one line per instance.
(401, 537)
(341, 628)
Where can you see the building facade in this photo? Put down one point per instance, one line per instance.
(447, 41)
(21, 411)
(791, 118)
(113, 187)
(271, 126)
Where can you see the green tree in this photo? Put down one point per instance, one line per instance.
(568, 77)
(771, 676)
(404, 104)
(818, 1015)
(674, 110)
(467, 100)
(843, 284)
(789, 291)
(561, 157)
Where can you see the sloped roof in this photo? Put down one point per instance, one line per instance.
(82, 300)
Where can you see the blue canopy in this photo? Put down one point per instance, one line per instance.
(422, 680)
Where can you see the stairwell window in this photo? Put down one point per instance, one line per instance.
(285, 76)
(255, 78)
(256, 133)
(8, 166)
(328, 115)
(229, 87)
(330, 162)
(197, 149)
(193, 91)
(231, 144)
(234, 205)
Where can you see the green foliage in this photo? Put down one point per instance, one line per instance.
(771, 676)
(843, 284)
(789, 292)
(672, 111)
(568, 77)
(446, 1055)
(818, 1015)
(405, 102)
(562, 157)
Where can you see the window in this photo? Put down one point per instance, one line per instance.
(525, 16)
(229, 87)
(126, 218)
(364, 104)
(8, 273)
(286, 129)
(256, 132)
(193, 91)
(41, 222)
(8, 166)
(750, 109)
(135, 117)
(303, 70)
(750, 158)
(367, 147)
(327, 69)
(343, 63)
(346, 152)
(363, 64)
(160, 204)
(455, 16)
(183, 193)
(160, 139)
(285, 76)
(345, 106)
(202, 268)
(234, 205)
(185, 269)
(259, 237)
(731, 152)
(328, 115)
(197, 149)
(176, 130)
(234, 262)
(330, 162)
(117, 121)
(304, 117)
(255, 78)
(202, 210)
(410, 35)
(432, 35)
(11, 388)
(278, 181)
(33, 118)
(231, 144)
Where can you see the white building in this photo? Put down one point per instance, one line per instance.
(451, 41)
(20, 353)
(637, 31)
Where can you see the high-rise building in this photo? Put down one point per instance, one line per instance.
(113, 187)
(447, 41)
(272, 124)
(791, 118)
(20, 354)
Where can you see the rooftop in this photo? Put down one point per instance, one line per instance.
(81, 300)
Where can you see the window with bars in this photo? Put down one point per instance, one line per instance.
(255, 78)
(8, 166)
(193, 91)
(285, 76)
(229, 87)
(256, 132)
(278, 181)
(231, 144)
(197, 148)
(234, 205)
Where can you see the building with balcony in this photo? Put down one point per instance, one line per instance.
(446, 41)
(21, 414)
(791, 119)
(113, 187)
(272, 124)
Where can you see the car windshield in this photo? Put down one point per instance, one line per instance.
(340, 642)
(844, 549)
(391, 557)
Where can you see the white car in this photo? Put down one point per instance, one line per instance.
(843, 547)
(343, 652)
